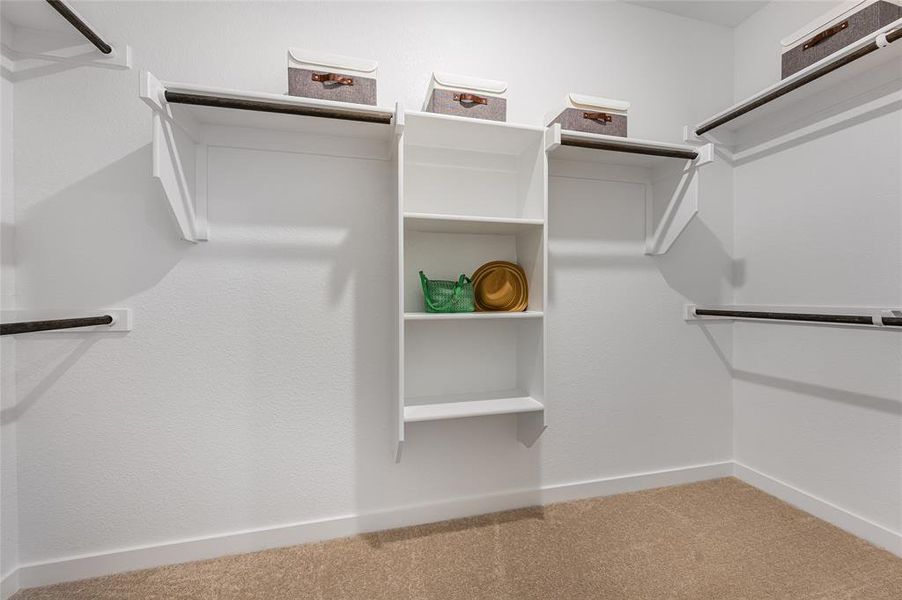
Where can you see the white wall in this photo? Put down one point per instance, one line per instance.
(820, 223)
(254, 390)
(757, 41)
(8, 489)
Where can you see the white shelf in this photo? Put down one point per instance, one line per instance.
(471, 135)
(189, 118)
(800, 89)
(472, 316)
(259, 110)
(614, 150)
(438, 411)
(440, 223)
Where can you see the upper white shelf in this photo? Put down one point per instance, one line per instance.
(472, 135)
(440, 223)
(815, 80)
(613, 150)
(194, 104)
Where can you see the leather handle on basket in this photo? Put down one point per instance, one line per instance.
(332, 78)
(468, 98)
(598, 116)
(827, 33)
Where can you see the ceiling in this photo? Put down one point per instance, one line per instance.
(35, 14)
(729, 13)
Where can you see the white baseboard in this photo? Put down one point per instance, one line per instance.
(130, 559)
(854, 524)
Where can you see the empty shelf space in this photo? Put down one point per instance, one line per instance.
(441, 223)
(613, 150)
(809, 83)
(438, 411)
(472, 316)
(472, 135)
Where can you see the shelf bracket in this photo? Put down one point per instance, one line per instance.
(681, 191)
(179, 160)
(398, 129)
(530, 426)
(552, 137)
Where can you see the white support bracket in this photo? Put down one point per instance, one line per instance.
(530, 427)
(681, 189)
(179, 161)
(398, 125)
(552, 138)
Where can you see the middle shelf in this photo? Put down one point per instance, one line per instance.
(443, 223)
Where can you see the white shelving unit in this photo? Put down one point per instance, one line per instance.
(468, 192)
(669, 173)
(471, 192)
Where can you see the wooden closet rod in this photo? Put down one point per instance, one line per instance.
(277, 107)
(82, 27)
(816, 74)
(800, 317)
(31, 326)
(630, 148)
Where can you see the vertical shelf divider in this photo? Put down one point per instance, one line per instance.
(398, 149)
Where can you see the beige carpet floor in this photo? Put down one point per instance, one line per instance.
(714, 540)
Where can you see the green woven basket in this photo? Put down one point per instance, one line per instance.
(448, 296)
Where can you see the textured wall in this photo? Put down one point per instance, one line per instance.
(820, 223)
(255, 388)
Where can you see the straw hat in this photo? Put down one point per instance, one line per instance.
(500, 286)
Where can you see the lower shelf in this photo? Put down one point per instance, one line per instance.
(471, 408)
(424, 316)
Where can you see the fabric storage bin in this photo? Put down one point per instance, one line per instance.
(464, 96)
(331, 77)
(591, 115)
(833, 31)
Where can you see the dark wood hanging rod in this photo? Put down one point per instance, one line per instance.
(801, 317)
(83, 28)
(278, 107)
(32, 326)
(794, 85)
(630, 148)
